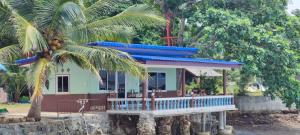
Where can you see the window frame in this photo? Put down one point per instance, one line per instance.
(157, 72)
(116, 75)
(56, 83)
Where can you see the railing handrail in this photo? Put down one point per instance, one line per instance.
(196, 97)
(127, 99)
(170, 98)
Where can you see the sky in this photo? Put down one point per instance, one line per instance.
(293, 4)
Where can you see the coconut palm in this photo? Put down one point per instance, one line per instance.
(55, 31)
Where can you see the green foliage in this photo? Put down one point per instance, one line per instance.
(258, 33)
(24, 99)
(3, 110)
(149, 35)
(14, 81)
(192, 86)
(210, 84)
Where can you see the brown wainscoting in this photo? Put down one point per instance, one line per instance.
(166, 94)
(68, 102)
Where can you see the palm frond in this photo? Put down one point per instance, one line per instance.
(6, 25)
(10, 53)
(61, 56)
(135, 16)
(56, 14)
(109, 59)
(101, 8)
(29, 38)
(36, 76)
(23, 8)
(111, 33)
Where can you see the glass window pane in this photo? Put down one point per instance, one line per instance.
(65, 84)
(121, 81)
(103, 75)
(161, 81)
(111, 81)
(121, 85)
(59, 84)
(152, 81)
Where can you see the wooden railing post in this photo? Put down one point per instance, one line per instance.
(224, 82)
(183, 82)
(153, 101)
(144, 95)
(192, 101)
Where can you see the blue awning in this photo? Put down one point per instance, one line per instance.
(151, 50)
(2, 68)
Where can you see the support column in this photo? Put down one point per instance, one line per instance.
(183, 82)
(223, 128)
(221, 120)
(164, 126)
(146, 125)
(224, 82)
(185, 125)
(224, 115)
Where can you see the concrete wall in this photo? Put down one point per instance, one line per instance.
(83, 82)
(3, 96)
(259, 104)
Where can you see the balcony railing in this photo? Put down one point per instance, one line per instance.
(171, 105)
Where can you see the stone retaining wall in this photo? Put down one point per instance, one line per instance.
(96, 125)
(104, 124)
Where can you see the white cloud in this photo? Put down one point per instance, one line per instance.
(293, 4)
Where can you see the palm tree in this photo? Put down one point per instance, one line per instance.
(56, 32)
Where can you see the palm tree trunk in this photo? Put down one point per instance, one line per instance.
(35, 108)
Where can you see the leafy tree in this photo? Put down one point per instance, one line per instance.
(179, 11)
(258, 33)
(14, 81)
(56, 32)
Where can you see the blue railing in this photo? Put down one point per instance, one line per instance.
(152, 104)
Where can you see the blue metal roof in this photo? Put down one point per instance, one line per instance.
(151, 50)
(142, 52)
(26, 60)
(2, 68)
(197, 60)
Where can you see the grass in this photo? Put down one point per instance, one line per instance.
(16, 108)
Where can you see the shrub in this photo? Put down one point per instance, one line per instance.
(24, 99)
(3, 110)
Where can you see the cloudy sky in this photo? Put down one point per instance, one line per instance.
(293, 4)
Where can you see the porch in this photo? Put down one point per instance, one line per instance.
(174, 106)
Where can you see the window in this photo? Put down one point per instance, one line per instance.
(62, 83)
(121, 81)
(157, 81)
(109, 80)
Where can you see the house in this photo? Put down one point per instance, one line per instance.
(166, 66)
